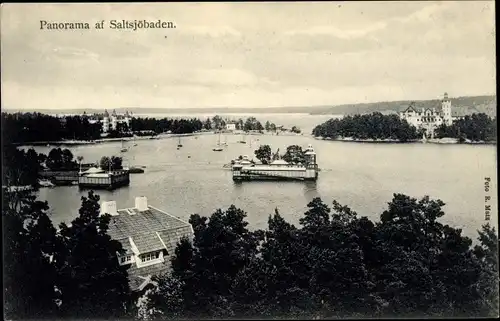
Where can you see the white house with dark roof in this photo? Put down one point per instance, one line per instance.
(231, 126)
(149, 237)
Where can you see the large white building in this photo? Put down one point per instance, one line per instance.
(430, 118)
(111, 122)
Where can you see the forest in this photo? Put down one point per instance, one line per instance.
(374, 126)
(35, 127)
(475, 127)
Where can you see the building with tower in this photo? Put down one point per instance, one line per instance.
(110, 122)
(430, 118)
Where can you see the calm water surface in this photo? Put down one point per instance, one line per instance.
(363, 176)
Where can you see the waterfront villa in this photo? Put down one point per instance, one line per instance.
(149, 237)
(231, 126)
(430, 118)
(110, 122)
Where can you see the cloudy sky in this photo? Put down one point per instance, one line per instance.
(247, 54)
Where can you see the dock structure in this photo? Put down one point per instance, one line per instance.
(98, 179)
(278, 170)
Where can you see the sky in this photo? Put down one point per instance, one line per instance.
(246, 54)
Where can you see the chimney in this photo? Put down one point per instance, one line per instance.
(109, 208)
(141, 203)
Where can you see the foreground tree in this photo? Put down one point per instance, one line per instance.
(29, 276)
(91, 282)
(334, 265)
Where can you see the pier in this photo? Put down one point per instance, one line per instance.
(278, 170)
(100, 180)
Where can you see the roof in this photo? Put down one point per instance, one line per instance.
(279, 162)
(172, 237)
(126, 245)
(149, 221)
(93, 170)
(149, 230)
(410, 108)
(148, 242)
(139, 277)
(272, 168)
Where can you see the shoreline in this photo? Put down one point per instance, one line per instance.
(441, 141)
(159, 136)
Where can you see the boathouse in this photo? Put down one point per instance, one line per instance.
(98, 178)
(149, 237)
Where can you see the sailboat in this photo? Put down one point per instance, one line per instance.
(218, 148)
(124, 149)
(179, 145)
(242, 141)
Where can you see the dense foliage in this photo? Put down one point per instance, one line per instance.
(19, 167)
(91, 282)
(335, 264)
(111, 163)
(476, 127)
(372, 126)
(60, 159)
(264, 154)
(37, 127)
(176, 126)
(294, 155)
(73, 272)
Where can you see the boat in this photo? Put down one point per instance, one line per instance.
(242, 141)
(124, 149)
(179, 144)
(135, 170)
(45, 183)
(218, 148)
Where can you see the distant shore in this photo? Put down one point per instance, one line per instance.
(445, 140)
(159, 136)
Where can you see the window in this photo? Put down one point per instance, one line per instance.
(150, 256)
(125, 259)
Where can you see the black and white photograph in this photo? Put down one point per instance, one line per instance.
(249, 160)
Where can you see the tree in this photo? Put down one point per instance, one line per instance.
(29, 276)
(267, 126)
(80, 159)
(55, 159)
(263, 153)
(116, 162)
(105, 163)
(295, 129)
(91, 281)
(335, 265)
(113, 163)
(67, 159)
(20, 168)
(294, 154)
(208, 124)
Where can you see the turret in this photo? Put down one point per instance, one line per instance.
(446, 109)
(310, 155)
(105, 122)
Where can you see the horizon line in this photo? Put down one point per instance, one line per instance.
(252, 107)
